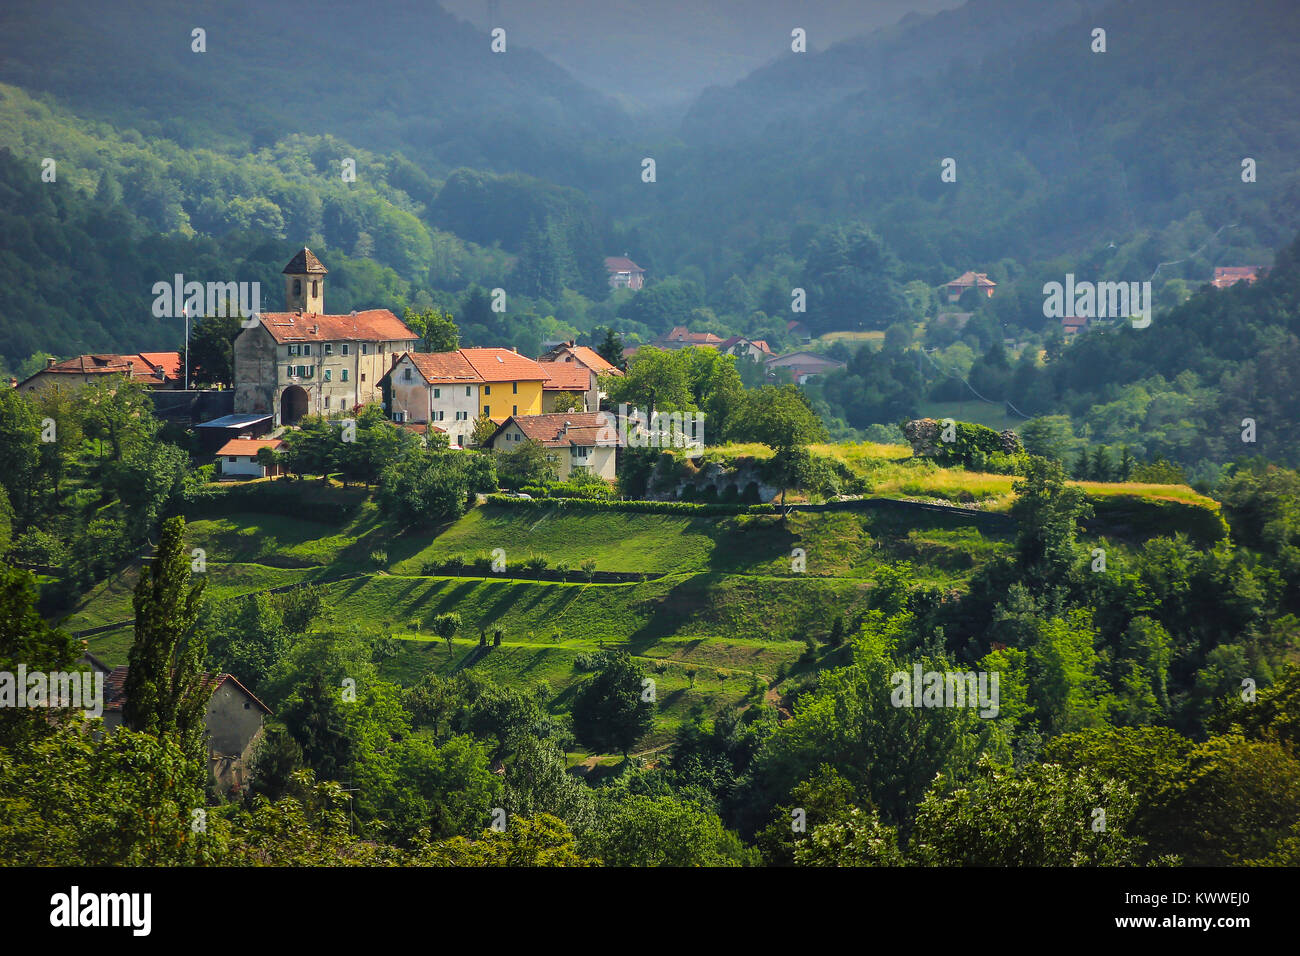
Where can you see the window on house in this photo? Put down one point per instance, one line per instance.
(365, 349)
(487, 411)
(329, 348)
(515, 386)
(297, 287)
(327, 401)
(406, 374)
(514, 410)
(315, 285)
(344, 376)
(467, 391)
(232, 459)
(345, 348)
(363, 376)
(437, 393)
(306, 349)
(327, 374)
(487, 389)
(293, 350)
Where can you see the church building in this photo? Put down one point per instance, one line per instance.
(304, 362)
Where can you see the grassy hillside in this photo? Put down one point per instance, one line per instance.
(720, 615)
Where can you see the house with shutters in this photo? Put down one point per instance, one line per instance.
(437, 389)
(572, 441)
(306, 362)
(451, 390)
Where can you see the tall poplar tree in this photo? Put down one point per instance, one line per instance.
(165, 686)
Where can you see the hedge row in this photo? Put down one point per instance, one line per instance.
(652, 507)
(297, 499)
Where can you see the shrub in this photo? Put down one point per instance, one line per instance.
(535, 562)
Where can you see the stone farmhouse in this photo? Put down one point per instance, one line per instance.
(234, 721)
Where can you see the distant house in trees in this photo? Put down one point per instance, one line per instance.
(153, 370)
(233, 721)
(238, 457)
(624, 273)
(1072, 325)
(799, 330)
(739, 346)
(573, 441)
(302, 362)
(970, 280)
(681, 337)
(1225, 276)
(803, 365)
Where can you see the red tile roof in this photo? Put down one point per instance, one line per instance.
(372, 325)
(143, 366)
(681, 333)
(248, 446)
(1225, 276)
(503, 365)
(621, 264)
(735, 340)
(172, 363)
(115, 687)
(443, 368)
(973, 279)
(565, 429)
(593, 360)
(567, 377)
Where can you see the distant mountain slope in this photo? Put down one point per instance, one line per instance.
(1058, 149)
(652, 55)
(408, 76)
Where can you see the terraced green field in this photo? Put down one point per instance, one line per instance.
(719, 615)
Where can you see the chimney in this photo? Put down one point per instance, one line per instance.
(315, 328)
(49, 362)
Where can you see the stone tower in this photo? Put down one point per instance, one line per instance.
(304, 283)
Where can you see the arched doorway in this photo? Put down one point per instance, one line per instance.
(293, 405)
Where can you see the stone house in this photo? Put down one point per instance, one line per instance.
(234, 721)
(305, 362)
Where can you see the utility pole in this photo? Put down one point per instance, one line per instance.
(186, 312)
